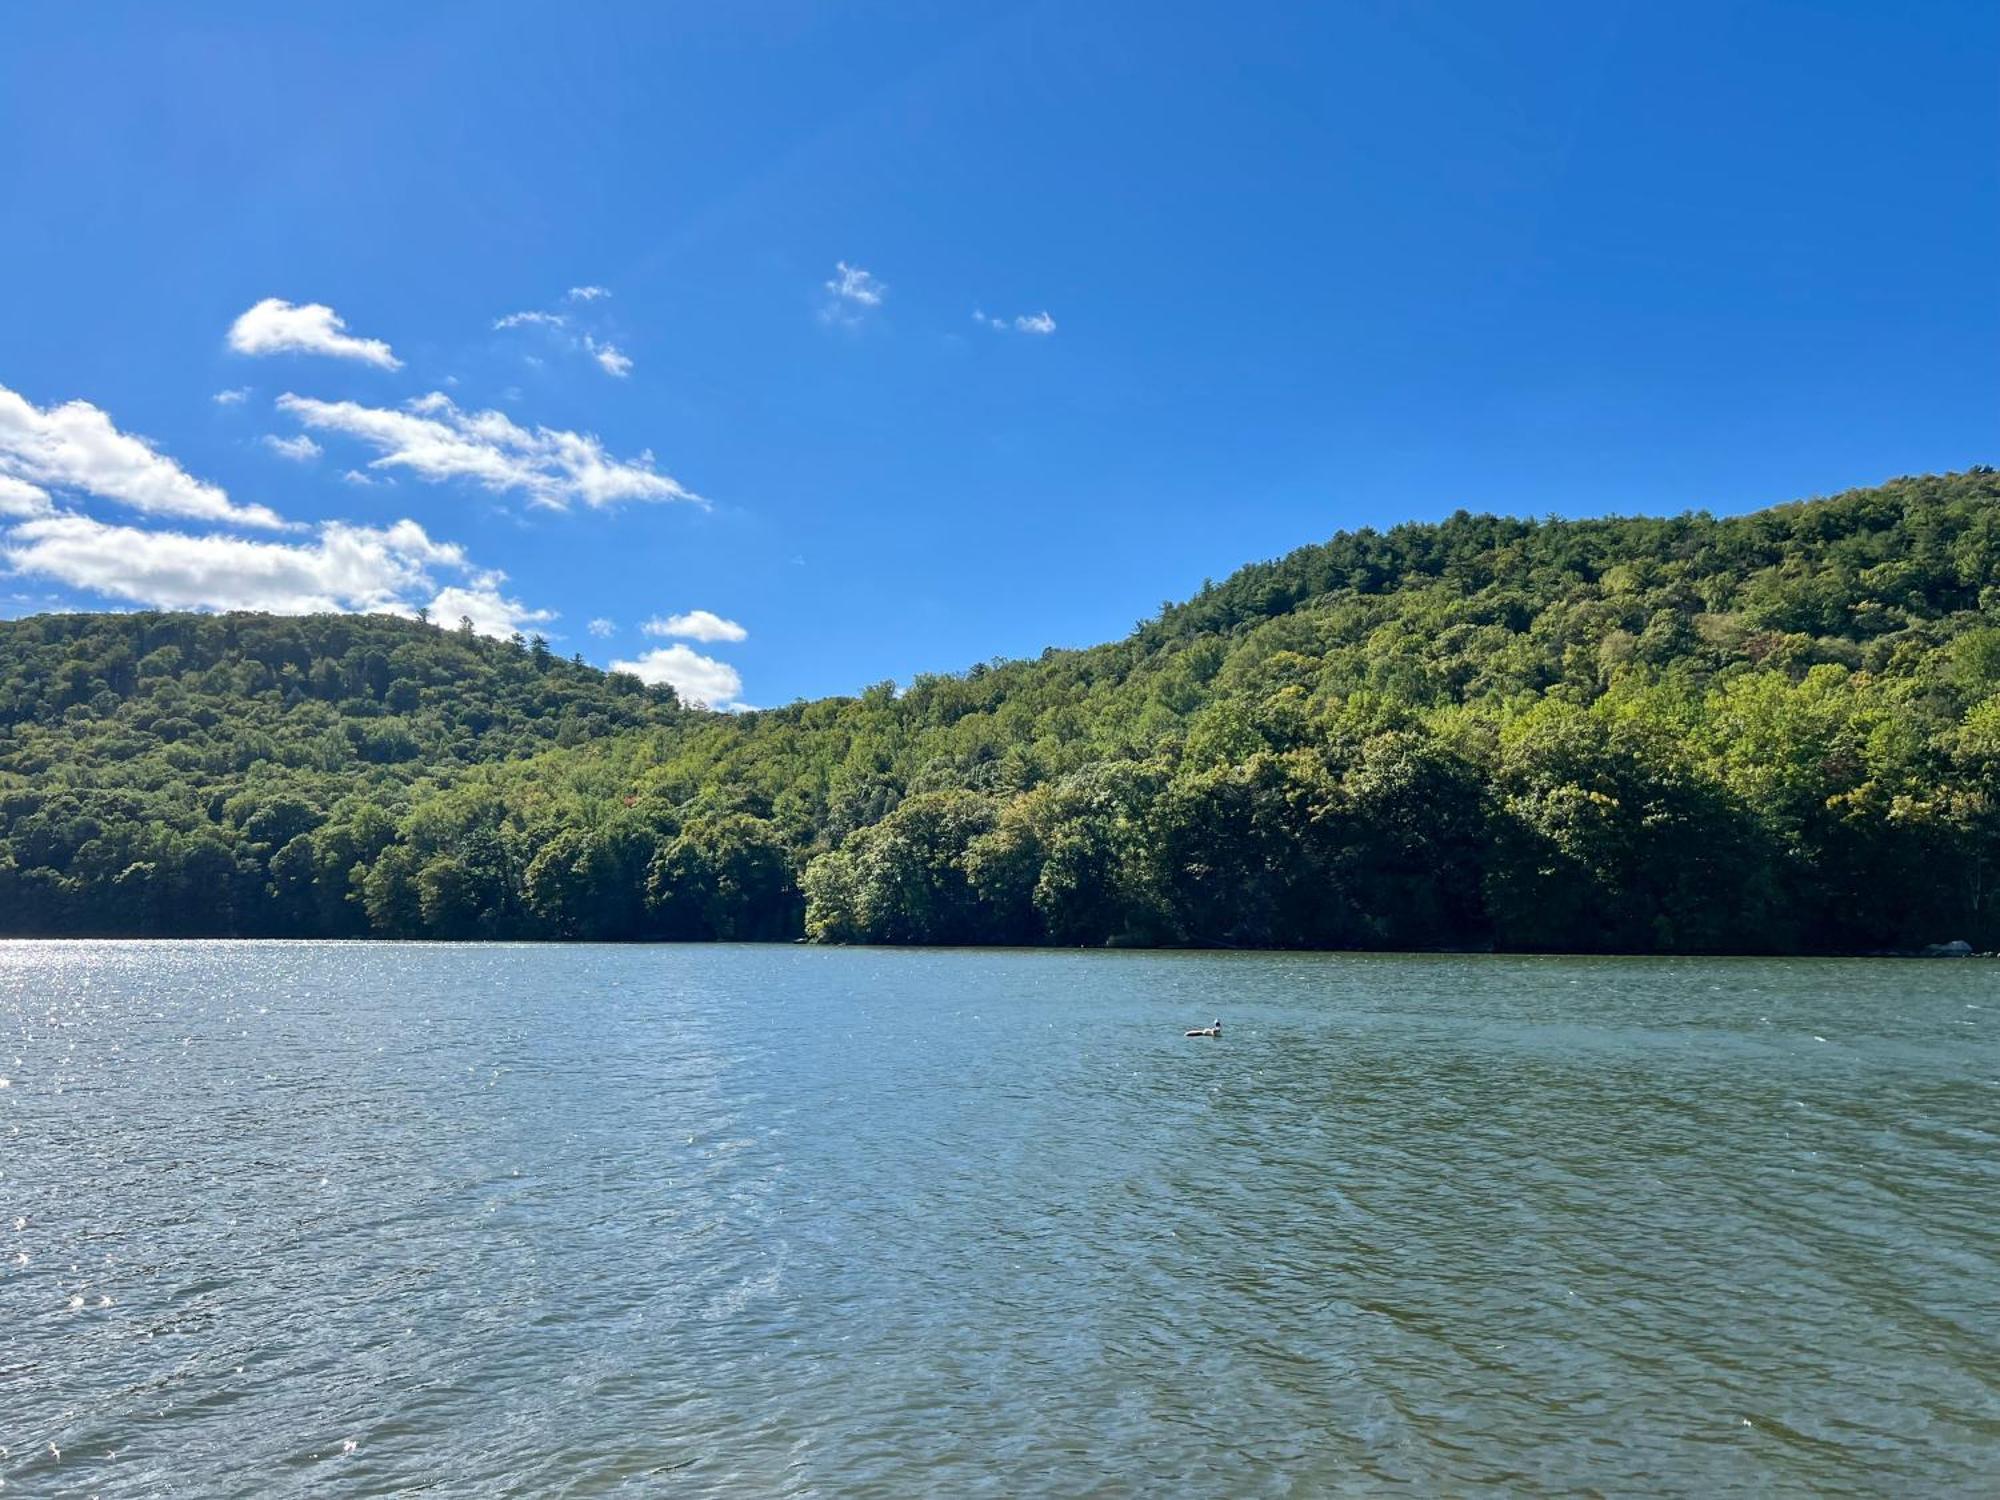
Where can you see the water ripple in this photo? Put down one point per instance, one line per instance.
(321, 1219)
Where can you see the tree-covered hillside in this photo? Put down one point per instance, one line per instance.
(158, 771)
(1771, 732)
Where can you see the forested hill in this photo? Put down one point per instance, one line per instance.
(1771, 732)
(223, 773)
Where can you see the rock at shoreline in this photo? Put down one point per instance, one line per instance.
(1956, 949)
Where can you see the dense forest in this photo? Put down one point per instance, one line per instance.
(1774, 732)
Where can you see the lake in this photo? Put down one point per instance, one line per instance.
(351, 1219)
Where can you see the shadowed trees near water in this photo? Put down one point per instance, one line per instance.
(1773, 732)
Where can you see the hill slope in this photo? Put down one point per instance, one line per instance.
(1777, 731)
(162, 772)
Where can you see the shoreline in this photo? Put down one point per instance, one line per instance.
(1934, 953)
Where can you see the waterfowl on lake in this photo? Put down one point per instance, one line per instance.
(1215, 1030)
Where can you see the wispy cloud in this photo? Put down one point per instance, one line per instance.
(300, 449)
(697, 678)
(852, 284)
(602, 628)
(275, 326)
(436, 440)
(614, 361)
(76, 447)
(1040, 324)
(851, 293)
(234, 397)
(609, 357)
(697, 625)
(346, 568)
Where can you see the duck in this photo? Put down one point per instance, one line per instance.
(1215, 1030)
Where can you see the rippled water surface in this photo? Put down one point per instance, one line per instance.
(291, 1219)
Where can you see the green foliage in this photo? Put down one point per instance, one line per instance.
(1775, 731)
(258, 775)
(727, 877)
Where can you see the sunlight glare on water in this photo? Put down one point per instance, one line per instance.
(324, 1219)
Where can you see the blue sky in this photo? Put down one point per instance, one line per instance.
(1243, 275)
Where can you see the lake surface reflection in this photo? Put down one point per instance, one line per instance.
(290, 1219)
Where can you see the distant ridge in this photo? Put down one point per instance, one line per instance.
(1771, 732)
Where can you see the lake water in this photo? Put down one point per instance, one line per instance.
(317, 1219)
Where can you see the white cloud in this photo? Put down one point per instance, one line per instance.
(609, 356)
(851, 293)
(602, 628)
(612, 359)
(1040, 324)
(697, 625)
(356, 476)
(435, 439)
(347, 568)
(76, 447)
(275, 326)
(20, 498)
(411, 540)
(697, 678)
(235, 397)
(490, 612)
(856, 285)
(300, 449)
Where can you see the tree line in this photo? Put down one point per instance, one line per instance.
(1774, 732)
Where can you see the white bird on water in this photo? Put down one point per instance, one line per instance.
(1215, 1030)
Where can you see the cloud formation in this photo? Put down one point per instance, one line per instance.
(76, 447)
(346, 568)
(1039, 324)
(587, 293)
(697, 678)
(275, 326)
(234, 397)
(697, 625)
(300, 449)
(609, 356)
(601, 628)
(851, 293)
(20, 498)
(853, 284)
(490, 611)
(436, 440)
